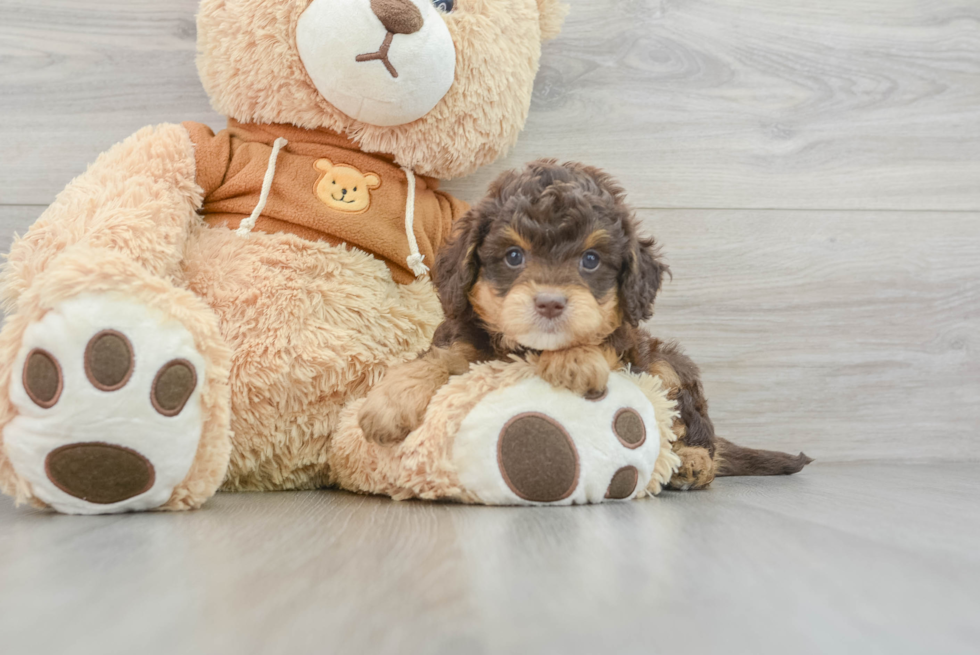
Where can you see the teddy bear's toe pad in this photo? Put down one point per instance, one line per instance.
(533, 444)
(105, 391)
(538, 459)
(99, 472)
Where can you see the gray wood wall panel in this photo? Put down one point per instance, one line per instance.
(850, 335)
(839, 104)
(16, 219)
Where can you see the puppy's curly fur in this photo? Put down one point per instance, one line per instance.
(551, 266)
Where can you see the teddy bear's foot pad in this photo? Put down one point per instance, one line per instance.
(538, 459)
(105, 391)
(512, 448)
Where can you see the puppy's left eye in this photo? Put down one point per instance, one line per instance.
(514, 257)
(591, 260)
(446, 6)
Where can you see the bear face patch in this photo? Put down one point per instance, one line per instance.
(344, 188)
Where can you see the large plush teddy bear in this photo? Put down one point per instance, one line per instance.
(202, 310)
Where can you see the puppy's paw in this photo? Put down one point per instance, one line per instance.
(582, 370)
(697, 469)
(386, 420)
(397, 405)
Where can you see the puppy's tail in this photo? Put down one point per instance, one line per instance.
(731, 460)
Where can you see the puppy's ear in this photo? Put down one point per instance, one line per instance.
(640, 280)
(458, 265)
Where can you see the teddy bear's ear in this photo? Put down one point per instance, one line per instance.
(372, 181)
(553, 14)
(323, 165)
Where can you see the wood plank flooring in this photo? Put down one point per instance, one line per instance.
(877, 558)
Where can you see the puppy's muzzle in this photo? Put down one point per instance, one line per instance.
(550, 305)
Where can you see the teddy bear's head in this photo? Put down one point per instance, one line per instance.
(443, 85)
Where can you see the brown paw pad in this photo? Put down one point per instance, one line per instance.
(538, 459)
(629, 428)
(173, 386)
(623, 483)
(43, 380)
(109, 360)
(99, 473)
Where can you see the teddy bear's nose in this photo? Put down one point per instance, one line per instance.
(398, 16)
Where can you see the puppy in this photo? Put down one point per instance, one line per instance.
(550, 266)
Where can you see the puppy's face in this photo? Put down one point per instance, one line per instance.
(550, 259)
(547, 286)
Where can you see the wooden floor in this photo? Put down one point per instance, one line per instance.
(812, 171)
(845, 558)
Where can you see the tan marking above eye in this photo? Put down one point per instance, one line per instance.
(517, 239)
(597, 238)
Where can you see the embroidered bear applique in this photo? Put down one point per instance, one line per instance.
(344, 188)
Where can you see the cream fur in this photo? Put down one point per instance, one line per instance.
(312, 327)
(498, 47)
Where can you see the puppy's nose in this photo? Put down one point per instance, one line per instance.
(398, 16)
(550, 305)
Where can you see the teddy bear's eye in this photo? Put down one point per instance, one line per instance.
(333, 181)
(355, 188)
(446, 6)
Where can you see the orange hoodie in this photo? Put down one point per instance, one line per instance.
(324, 189)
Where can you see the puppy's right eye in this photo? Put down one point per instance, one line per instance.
(514, 257)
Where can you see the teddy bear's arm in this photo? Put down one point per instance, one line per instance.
(138, 199)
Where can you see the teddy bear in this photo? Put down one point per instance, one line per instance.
(204, 310)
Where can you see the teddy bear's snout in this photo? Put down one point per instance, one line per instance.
(398, 17)
(381, 62)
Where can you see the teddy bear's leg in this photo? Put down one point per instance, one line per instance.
(500, 435)
(116, 390)
(113, 380)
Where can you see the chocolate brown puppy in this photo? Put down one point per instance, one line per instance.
(551, 267)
